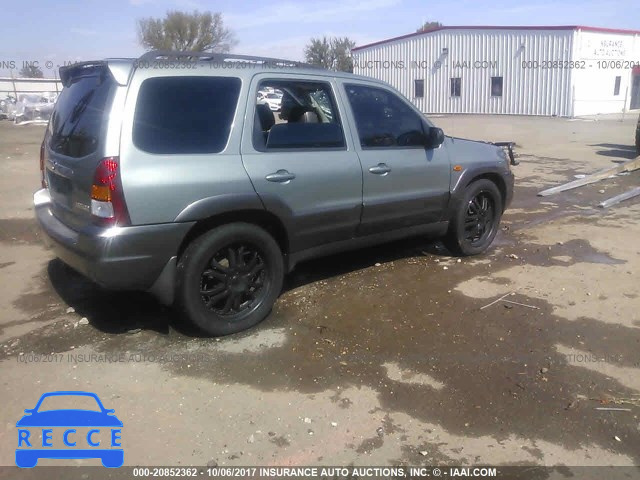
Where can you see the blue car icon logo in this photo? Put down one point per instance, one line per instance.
(69, 433)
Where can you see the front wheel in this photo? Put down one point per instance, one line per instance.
(229, 278)
(476, 219)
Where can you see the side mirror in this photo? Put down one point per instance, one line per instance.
(28, 410)
(435, 137)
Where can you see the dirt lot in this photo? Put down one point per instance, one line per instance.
(378, 357)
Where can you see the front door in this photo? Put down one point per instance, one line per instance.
(404, 183)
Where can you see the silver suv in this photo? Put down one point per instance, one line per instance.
(167, 174)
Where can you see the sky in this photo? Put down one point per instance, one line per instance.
(72, 30)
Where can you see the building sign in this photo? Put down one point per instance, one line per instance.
(606, 48)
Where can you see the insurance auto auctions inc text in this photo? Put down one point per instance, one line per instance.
(352, 472)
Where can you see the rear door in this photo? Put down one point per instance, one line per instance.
(300, 161)
(75, 141)
(405, 184)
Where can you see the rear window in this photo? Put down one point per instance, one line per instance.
(185, 114)
(78, 121)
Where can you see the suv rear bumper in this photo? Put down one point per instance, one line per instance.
(122, 258)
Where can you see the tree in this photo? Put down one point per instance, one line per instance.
(341, 50)
(426, 26)
(331, 53)
(31, 71)
(194, 32)
(318, 52)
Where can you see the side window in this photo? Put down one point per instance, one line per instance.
(383, 119)
(496, 86)
(185, 114)
(456, 86)
(296, 114)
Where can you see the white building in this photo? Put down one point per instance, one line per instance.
(565, 71)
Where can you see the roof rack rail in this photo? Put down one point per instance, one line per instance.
(221, 57)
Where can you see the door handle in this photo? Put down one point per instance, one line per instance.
(281, 176)
(380, 169)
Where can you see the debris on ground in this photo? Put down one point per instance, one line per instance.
(503, 299)
(571, 405)
(619, 401)
(629, 166)
(634, 192)
(522, 304)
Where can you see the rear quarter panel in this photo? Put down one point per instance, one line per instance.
(158, 187)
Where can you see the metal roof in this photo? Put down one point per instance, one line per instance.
(501, 27)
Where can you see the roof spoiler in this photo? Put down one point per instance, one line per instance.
(120, 70)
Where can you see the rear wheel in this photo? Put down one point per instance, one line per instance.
(475, 222)
(229, 278)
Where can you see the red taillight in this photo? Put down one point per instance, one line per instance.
(43, 180)
(107, 199)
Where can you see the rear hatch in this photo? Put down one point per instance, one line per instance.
(74, 140)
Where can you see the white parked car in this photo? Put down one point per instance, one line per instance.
(274, 101)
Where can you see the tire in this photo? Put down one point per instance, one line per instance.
(229, 278)
(476, 238)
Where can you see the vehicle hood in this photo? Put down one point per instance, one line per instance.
(69, 418)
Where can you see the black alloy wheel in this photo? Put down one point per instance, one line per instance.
(228, 278)
(234, 280)
(479, 218)
(475, 220)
